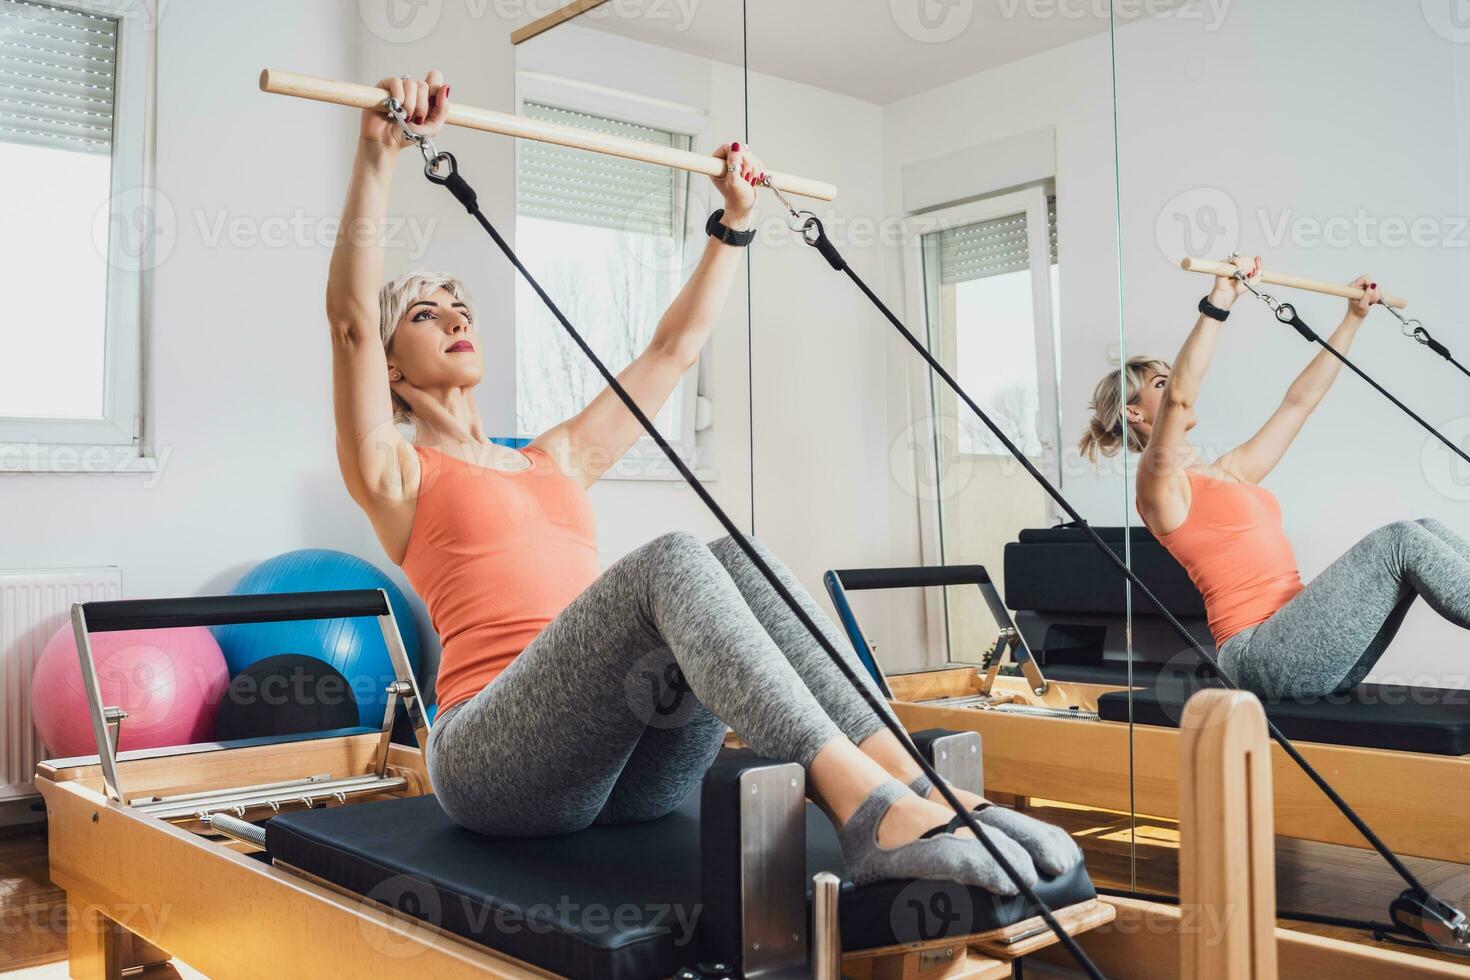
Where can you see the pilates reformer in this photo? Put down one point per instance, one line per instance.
(254, 859)
(441, 168)
(1417, 909)
(1058, 721)
(281, 857)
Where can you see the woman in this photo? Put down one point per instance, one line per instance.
(1275, 636)
(569, 698)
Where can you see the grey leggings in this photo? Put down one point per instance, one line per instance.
(1326, 639)
(617, 708)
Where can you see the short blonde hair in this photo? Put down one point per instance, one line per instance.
(394, 299)
(1106, 428)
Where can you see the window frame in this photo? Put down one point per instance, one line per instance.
(1032, 202)
(927, 395)
(644, 461)
(114, 442)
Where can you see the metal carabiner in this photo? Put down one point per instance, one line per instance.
(1407, 326)
(426, 145)
(797, 220)
(1271, 301)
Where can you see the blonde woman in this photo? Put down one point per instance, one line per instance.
(569, 696)
(1275, 636)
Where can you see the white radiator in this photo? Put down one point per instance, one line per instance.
(33, 606)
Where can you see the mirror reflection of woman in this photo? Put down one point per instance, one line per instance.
(1275, 636)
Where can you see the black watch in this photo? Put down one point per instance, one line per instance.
(729, 236)
(1211, 310)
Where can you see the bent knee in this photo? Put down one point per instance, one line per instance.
(727, 547)
(1397, 532)
(1438, 528)
(676, 546)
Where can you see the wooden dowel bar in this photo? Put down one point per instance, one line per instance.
(279, 82)
(1211, 268)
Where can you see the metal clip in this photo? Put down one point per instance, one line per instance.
(1267, 298)
(797, 220)
(1409, 327)
(425, 144)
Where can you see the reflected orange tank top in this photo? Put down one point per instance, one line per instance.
(1235, 550)
(495, 556)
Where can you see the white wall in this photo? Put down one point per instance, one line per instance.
(826, 493)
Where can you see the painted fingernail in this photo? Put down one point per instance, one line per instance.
(734, 146)
(1372, 285)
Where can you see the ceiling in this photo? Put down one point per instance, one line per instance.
(875, 50)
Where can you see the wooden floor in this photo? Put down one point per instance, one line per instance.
(32, 912)
(1321, 878)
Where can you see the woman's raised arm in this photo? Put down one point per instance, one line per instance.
(376, 461)
(1258, 456)
(1163, 486)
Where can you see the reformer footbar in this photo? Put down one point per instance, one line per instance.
(441, 168)
(1416, 910)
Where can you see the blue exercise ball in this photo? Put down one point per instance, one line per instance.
(353, 646)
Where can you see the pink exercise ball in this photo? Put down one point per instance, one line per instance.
(169, 681)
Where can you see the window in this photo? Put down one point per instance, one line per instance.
(78, 237)
(606, 238)
(982, 278)
(980, 283)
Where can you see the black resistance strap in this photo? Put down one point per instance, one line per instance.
(1417, 908)
(1415, 330)
(1286, 313)
(442, 169)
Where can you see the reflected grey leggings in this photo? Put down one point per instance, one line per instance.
(617, 708)
(1327, 638)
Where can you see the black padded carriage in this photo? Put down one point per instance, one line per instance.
(608, 902)
(1381, 716)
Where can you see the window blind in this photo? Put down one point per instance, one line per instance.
(57, 69)
(990, 248)
(586, 188)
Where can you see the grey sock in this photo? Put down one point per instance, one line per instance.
(1051, 848)
(960, 859)
(921, 786)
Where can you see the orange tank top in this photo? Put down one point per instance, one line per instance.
(495, 556)
(1236, 552)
